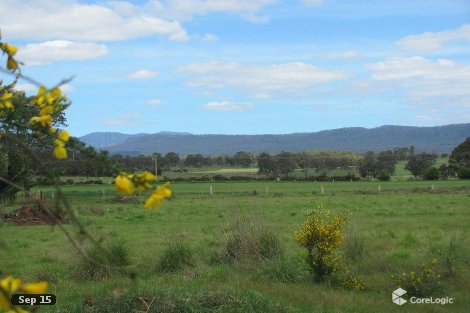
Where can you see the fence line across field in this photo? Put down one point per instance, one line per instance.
(245, 188)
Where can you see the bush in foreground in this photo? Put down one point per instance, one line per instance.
(422, 282)
(99, 262)
(250, 242)
(177, 256)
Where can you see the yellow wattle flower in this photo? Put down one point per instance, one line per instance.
(143, 179)
(41, 96)
(4, 302)
(149, 176)
(46, 110)
(9, 49)
(157, 196)
(10, 284)
(60, 152)
(43, 120)
(153, 201)
(6, 96)
(6, 104)
(55, 93)
(36, 288)
(64, 135)
(11, 63)
(124, 185)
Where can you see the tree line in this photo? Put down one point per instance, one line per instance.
(18, 168)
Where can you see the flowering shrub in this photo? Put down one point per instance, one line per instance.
(422, 282)
(321, 234)
(352, 283)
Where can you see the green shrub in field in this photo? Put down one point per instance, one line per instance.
(99, 262)
(321, 235)
(354, 247)
(250, 241)
(448, 250)
(383, 176)
(423, 282)
(284, 269)
(178, 255)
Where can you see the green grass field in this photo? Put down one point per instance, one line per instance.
(399, 228)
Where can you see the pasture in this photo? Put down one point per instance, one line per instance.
(392, 227)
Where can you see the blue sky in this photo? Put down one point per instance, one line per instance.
(247, 66)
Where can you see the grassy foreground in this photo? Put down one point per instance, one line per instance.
(389, 232)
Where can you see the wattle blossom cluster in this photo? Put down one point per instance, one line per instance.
(10, 286)
(49, 102)
(127, 183)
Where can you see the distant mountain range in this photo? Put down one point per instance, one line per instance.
(438, 139)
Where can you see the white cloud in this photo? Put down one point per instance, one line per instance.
(209, 38)
(423, 78)
(154, 102)
(186, 9)
(71, 20)
(143, 74)
(227, 106)
(66, 88)
(256, 19)
(349, 54)
(126, 119)
(433, 41)
(313, 2)
(59, 50)
(287, 79)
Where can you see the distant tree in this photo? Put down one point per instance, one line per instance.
(386, 161)
(172, 159)
(459, 159)
(208, 161)
(445, 171)
(401, 154)
(243, 159)
(368, 165)
(286, 163)
(266, 164)
(418, 164)
(220, 160)
(464, 173)
(196, 160)
(20, 168)
(432, 173)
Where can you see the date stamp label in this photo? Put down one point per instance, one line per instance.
(33, 299)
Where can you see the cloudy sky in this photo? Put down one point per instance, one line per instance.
(247, 66)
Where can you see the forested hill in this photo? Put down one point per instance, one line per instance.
(438, 139)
